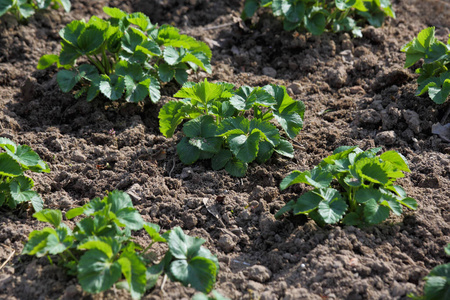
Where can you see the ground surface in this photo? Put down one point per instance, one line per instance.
(356, 93)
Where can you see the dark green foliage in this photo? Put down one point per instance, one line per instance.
(128, 56)
(434, 74)
(23, 9)
(219, 129)
(15, 187)
(351, 185)
(101, 252)
(317, 16)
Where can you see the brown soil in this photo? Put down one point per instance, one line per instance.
(356, 93)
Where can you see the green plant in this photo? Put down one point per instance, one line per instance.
(101, 252)
(15, 187)
(125, 54)
(23, 9)
(317, 16)
(219, 129)
(437, 286)
(352, 183)
(434, 74)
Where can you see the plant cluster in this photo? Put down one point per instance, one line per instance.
(353, 185)
(437, 284)
(220, 130)
(317, 16)
(125, 54)
(101, 252)
(23, 9)
(15, 187)
(434, 74)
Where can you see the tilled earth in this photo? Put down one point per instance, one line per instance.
(356, 93)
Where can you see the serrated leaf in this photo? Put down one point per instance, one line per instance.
(236, 168)
(203, 126)
(96, 272)
(6, 143)
(51, 216)
(285, 148)
(59, 242)
(352, 219)
(112, 87)
(5, 6)
(187, 153)
(245, 148)
(199, 272)
(9, 167)
(202, 92)
(67, 80)
(229, 126)
(165, 72)
(130, 218)
(114, 12)
(293, 11)
(153, 232)
(268, 131)
(170, 116)
(47, 60)
(134, 270)
(90, 39)
(288, 207)
(316, 23)
(37, 241)
(183, 246)
(221, 159)
(265, 152)
(332, 211)
(371, 170)
(398, 160)
(20, 189)
(25, 156)
(290, 120)
(409, 202)
(375, 213)
(306, 203)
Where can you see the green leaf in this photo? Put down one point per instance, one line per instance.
(265, 152)
(166, 72)
(153, 89)
(316, 22)
(245, 148)
(198, 58)
(236, 168)
(352, 219)
(199, 272)
(202, 92)
(187, 153)
(26, 10)
(67, 80)
(153, 232)
(371, 170)
(20, 189)
(8, 144)
(306, 203)
(437, 284)
(409, 202)
(134, 270)
(293, 12)
(96, 272)
(72, 31)
(68, 54)
(114, 12)
(398, 160)
(250, 8)
(221, 159)
(140, 20)
(66, 4)
(37, 241)
(25, 156)
(203, 126)
(5, 6)
(90, 39)
(9, 167)
(290, 120)
(182, 246)
(47, 60)
(285, 148)
(181, 76)
(170, 116)
(375, 213)
(136, 92)
(130, 218)
(268, 131)
(74, 212)
(37, 203)
(229, 126)
(51, 216)
(288, 207)
(60, 241)
(112, 87)
(333, 206)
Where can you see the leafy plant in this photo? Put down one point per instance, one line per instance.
(23, 9)
(437, 284)
(219, 129)
(434, 74)
(353, 185)
(317, 16)
(125, 54)
(15, 187)
(101, 252)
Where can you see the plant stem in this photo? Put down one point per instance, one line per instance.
(97, 64)
(71, 255)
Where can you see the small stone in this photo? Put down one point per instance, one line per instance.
(337, 77)
(186, 173)
(357, 90)
(190, 221)
(226, 242)
(413, 120)
(269, 71)
(296, 88)
(78, 157)
(347, 45)
(385, 137)
(259, 273)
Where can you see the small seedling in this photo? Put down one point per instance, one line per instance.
(101, 252)
(124, 55)
(434, 74)
(220, 130)
(15, 187)
(325, 15)
(352, 186)
(23, 9)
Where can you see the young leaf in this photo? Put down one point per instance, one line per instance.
(97, 272)
(51, 216)
(306, 203)
(245, 148)
(170, 116)
(183, 246)
(47, 60)
(199, 272)
(8, 166)
(375, 213)
(285, 148)
(153, 232)
(236, 168)
(134, 270)
(67, 80)
(188, 153)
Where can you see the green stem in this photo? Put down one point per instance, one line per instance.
(97, 64)
(71, 255)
